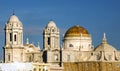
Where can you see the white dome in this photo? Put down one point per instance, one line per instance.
(105, 47)
(13, 18)
(14, 22)
(51, 24)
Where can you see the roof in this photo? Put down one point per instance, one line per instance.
(13, 22)
(51, 24)
(13, 18)
(104, 46)
(76, 31)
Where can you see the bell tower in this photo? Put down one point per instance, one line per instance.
(51, 36)
(51, 46)
(13, 32)
(13, 40)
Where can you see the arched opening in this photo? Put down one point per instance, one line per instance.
(48, 40)
(15, 37)
(10, 36)
(70, 45)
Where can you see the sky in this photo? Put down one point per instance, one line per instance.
(97, 16)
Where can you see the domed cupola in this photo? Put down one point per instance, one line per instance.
(13, 18)
(13, 22)
(51, 24)
(105, 51)
(104, 46)
(76, 31)
(77, 38)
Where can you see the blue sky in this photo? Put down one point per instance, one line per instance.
(97, 16)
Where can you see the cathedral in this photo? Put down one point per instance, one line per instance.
(76, 53)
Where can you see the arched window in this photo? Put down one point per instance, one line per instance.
(30, 59)
(34, 69)
(48, 40)
(70, 45)
(15, 37)
(40, 68)
(91, 53)
(10, 36)
(53, 30)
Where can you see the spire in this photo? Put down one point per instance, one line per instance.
(104, 38)
(38, 45)
(27, 41)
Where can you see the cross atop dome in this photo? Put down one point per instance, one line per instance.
(13, 12)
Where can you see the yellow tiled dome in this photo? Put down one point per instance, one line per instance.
(76, 31)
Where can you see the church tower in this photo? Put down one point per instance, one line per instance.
(51, 36)
(51, 46)
(13, 49)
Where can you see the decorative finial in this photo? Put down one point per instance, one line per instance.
(13, 12)
(38, 45)
(51, 19)
(27, 41)
(104, 38)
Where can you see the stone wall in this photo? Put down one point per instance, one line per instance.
(92, 66)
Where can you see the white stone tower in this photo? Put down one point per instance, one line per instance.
(51, 36)
(13, 49)
(51, 40)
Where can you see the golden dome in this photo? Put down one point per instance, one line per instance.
(76, 31)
